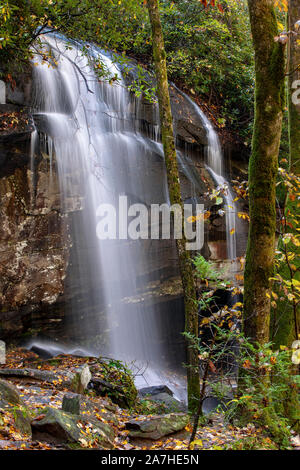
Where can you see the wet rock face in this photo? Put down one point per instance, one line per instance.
(38, 265)
(37, 261)
(187, 124)
(34, 241)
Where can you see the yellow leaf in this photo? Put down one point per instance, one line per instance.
(197, 442)
(280, 26)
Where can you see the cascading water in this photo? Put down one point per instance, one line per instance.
(216, 168)
(100, 154)
(215, 164)
(90, 130)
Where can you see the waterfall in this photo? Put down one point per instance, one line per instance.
(93, 135)
(215, 166)
(90, 130)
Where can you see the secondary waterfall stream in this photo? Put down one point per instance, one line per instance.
(88, 128)
(215, 166)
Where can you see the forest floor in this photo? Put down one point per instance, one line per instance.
(37, 395)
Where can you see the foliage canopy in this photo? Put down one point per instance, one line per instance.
(209, 50)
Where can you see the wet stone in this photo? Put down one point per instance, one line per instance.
(71, 403)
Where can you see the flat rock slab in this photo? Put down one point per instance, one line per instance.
(42, 375)
(155, 427)
(77, 381)
(69, 428)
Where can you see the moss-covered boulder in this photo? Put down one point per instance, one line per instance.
(9, 393)
(11, 404)
(78, 404)
(162, 395)
(155, 427)
(115, 380)
(72, 429)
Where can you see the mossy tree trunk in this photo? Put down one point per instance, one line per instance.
(294, 140)
(286, 316)
(263, 166)
(285, 328)
(293, 76)
(289, 332)
(269, 103)
(185, 262)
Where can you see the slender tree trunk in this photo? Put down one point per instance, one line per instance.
(185, 262)
(269, 102)
(294, 135)
(290, 330)
(294, 75)
(286, 322)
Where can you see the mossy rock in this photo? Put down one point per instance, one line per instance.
(67, 428)
(11, 403)
(155, 427)
(9, 393)
(116, 382)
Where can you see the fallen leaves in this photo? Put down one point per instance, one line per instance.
(214, 436)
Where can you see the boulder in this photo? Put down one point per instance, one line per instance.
(171, 404)
(163, 395)
(116, 383)
(72, 429)
(71, 403)
(81, 379)
(45, 352)
(155, 427)
(22, 420)
(80, 404)
(188, 124)
(154, 390)
(11, 403)
(9, 393)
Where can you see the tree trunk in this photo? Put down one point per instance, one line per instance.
(294, 136)
(294, 75)
(185, 262)
(290, 331)
(286, 322)
(269, 102)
